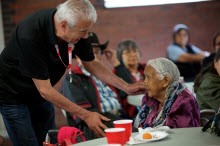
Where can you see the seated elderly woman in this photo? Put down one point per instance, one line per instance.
(167, 102)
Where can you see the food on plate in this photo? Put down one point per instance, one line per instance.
(147, 136)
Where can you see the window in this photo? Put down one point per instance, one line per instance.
(134, 3)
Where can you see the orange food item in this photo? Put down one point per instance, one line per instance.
(147, 136)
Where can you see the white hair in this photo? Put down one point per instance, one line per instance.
(74, 10)
(165, 67)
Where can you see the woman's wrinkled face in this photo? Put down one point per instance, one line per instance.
(217, 43)
(131, 57)
(154, 86)
(182, 38)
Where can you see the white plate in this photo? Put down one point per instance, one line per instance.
(157, 135)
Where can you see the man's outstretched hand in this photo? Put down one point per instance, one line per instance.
(135, 89)
(94, 122)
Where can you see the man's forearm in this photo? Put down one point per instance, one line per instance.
(59, 100)
(98, 69)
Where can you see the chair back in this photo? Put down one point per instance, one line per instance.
(205, 115)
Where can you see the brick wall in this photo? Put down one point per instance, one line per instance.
(150, 26)
(15, 10)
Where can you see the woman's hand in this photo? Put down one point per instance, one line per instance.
(111, 57)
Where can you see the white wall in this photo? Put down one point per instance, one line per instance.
(2, 43)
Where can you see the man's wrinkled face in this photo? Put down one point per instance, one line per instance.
(74, 34)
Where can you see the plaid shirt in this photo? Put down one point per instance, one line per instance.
(108, 98)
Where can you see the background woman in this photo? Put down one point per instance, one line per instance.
(207, 85)
(128, 67)
(186, 56)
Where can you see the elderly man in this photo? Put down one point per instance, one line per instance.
(36, 57)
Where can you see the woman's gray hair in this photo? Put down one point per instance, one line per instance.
(74, 10)
(165, 67)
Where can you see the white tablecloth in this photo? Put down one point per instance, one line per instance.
(177, 137)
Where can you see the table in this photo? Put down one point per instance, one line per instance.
(177, 137)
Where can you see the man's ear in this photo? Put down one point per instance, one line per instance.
(167, 81)
(63, 25)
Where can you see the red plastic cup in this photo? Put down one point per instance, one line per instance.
(115, 135)
(127, 124)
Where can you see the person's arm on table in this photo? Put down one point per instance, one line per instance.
(92, 119)
(187, 57)
(98, 69)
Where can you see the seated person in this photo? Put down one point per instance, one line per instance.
(187, 57)
(207, 85)
(128, 67)
(216, 45)
(89, 92)
(167, 102)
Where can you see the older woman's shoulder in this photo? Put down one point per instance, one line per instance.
(184, 98)
(186, 94)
